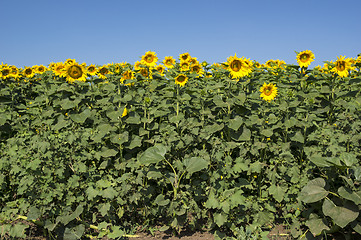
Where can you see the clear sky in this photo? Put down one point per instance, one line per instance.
(100, 32)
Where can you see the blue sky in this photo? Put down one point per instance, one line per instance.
(101, 32)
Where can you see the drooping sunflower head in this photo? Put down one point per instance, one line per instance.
(268, 91)
(160, 69)
(169, 62)
(197, 68)
(103, 71)
(70, 61)
(149, 59)
(181, 80)
(129, 74)
(305, 58)
(137, 65)
(75, 72)
(184, 57)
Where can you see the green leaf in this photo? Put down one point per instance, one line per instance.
(104, 209)
(219, 219)
(313, 191)
(349, 159)
(320, 161)
(81, 117)
(17, 230)
(277, 192)
(68, 104)
(34, 213)
(298, 137)
(267, 132)
(153, 154)
(235, 123)
(195, 164)
(109, 193)
(246, 135)
(160, 201)
(74, 233)
(106, 152)
(350, 195)
(340, 215)
(317, 225)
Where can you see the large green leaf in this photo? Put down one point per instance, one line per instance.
(153, 154)
(340, 215)
(195, 164)
(350, 195)
(316, 225)
(80, 117)
(313, 191)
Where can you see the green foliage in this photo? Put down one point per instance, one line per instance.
(210, 154)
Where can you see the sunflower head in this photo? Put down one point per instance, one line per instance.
(268, 91)
(305, 58)
(59, 69)
(28, 72)
(184, 57)
(75, 72)
(5, 72)
(181, 79)
(342, 66)
(92, 70)
(239, 67)
(197, 68)
(169, 62)
(149, 59)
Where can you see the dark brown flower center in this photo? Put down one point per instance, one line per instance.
(341, 65)
(236, 65)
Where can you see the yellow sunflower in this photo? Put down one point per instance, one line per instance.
(268, 91)
(5, 72)
(92, 70)
(239, 67)
(70, 61)
(342, 66)
(145, 72)
(149, 59)
(59, 69)
(169, 62)
(129, 74)
(103, 71)
(160, 69)
(184, 57)
(39, 69)
(75, 72)
(305, 58)
(184, 66)
(197, 68)
(14, 72)
(28, 72)
(137, 65)
(181, 79)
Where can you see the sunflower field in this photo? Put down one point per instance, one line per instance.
(234, 148)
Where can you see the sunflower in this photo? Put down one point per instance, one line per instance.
(160, 69)
(5, 72)
(129, 74)
(181, 80)
(92, 70)
(149, 59)
(14, 72)
(342, 66)
(184, 66)
(70, 61)
(169, 62)
(59, 69)
(137, 65)
(184, 57)
(305, 58)
(102, 71)
(193, 60)
(239, 67)
(197, 68)
(268, 91)
(40, 69)
(75, 72)
(28, 72)
(145, 72)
